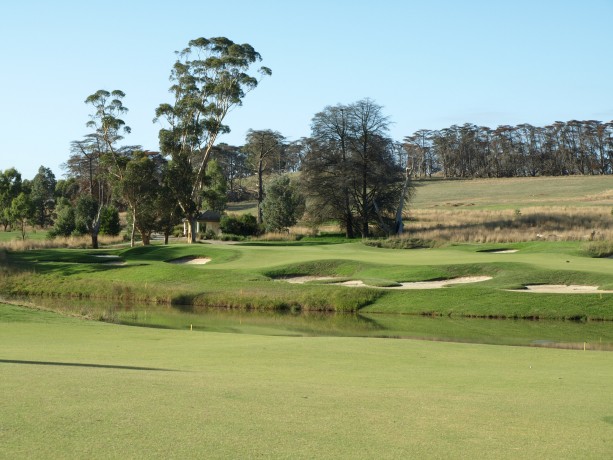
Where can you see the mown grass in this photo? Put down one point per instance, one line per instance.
(87, 389)
(249, 277)
(503, 214)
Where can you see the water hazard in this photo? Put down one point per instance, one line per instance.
(593, 335)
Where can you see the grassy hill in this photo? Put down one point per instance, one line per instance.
(515, 193)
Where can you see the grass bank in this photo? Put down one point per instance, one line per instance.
(251, 277)
(88, 389)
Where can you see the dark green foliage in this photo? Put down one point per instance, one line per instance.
(264, 148)
(109, 221)
(215, 194)
(87, 218)
(21, 212)
(283, 204)
(350, 173)
(245, 225)
(67, 189)
(43, 196)
(10, 188)
(210, 77)
(64, 221)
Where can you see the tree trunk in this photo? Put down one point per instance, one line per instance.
(146, 237)
(399, 226)
(133, 233)
(94, 235)
(348, 217)
(364, 205)
(166, 234)
(260, 190)
(191, 229)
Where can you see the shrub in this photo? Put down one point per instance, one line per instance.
(64, 222)
(245, 225)
(109, 221)
(283, 204)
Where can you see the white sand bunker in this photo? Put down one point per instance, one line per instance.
(561, 289)
(414, 285)
(191, 260)
(504, 251)
(422, 284)
(305, 279)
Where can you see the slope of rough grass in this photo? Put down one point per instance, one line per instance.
(513, 193)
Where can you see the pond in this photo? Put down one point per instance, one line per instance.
(593, 335)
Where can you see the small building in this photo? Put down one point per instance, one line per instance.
(207, 220)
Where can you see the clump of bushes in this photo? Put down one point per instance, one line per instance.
(401, 243)
(245, 225)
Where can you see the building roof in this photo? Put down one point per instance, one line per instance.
(209, 216)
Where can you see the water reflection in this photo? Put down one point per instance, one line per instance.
(597, 335)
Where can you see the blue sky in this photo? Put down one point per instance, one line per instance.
(429, 64)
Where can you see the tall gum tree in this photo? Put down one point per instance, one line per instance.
(210, 77)
(263, 147)
(97, 160)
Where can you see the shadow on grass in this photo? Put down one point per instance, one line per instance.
(99, 366)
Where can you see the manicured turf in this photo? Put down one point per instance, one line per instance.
(92, 390)
(246, 276)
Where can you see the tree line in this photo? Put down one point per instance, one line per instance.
(467, 151)
(351, 171)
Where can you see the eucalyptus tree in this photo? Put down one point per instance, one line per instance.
(43, 196)
(105, 120)
(263, 147)
(424, 164)
(97, 160)
(139, 188)
(210, 77)
(233, 163)
(10, 188)
(21, 212)
(215, 195)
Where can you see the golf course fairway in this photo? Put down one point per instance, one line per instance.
(82, 389)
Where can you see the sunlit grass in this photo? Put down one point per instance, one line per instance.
(74, 388)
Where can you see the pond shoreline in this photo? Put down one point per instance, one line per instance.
(591, 335)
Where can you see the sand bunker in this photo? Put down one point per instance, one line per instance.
(191, 260)
(415, 285)
(304, 279)
(504, 251)
(422, 284)
(561, 289)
